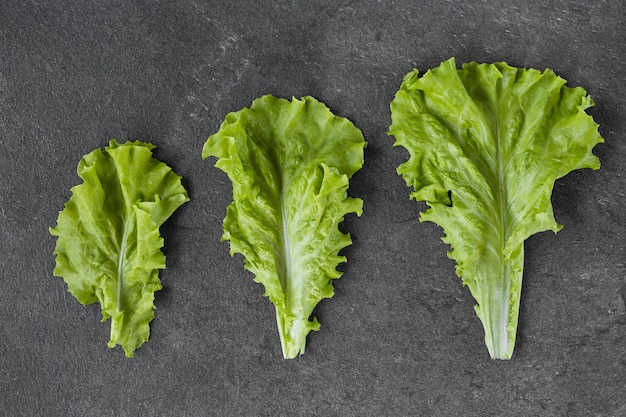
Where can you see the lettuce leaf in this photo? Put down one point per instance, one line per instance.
(486, 144)
(108, 247)
(289, 163)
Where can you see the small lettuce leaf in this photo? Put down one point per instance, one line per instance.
(486, 144)
(108, 247)
(289, 163)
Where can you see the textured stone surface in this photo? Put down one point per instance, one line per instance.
(400, 337)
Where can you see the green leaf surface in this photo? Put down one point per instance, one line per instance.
(289, 163)
(486, 144)
(108, 247)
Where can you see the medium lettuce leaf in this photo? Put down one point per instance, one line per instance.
(108, 247)
(486, 144)
(289, 163)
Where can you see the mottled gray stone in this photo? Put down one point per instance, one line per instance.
(400, 337)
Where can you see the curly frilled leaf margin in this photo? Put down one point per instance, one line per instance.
(289, 163)
(486, 144)
(108, 245)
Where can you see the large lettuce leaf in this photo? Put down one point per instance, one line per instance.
(108, 244)
(289, 163)
(486, 144)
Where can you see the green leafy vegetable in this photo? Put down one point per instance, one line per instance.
(289, 163)
(486, 144)
(108, 247)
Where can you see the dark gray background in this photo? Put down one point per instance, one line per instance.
(400, 337)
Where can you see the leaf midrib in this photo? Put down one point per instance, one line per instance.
(503, 231)
(120, 266)
(286, 247)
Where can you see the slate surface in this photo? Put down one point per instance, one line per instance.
(400, 337)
